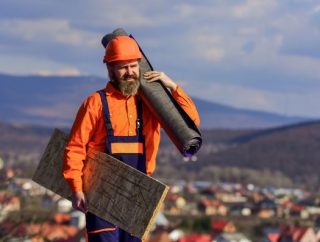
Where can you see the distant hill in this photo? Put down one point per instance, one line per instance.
(286, 156)
(291, 150)
(23, 139)
(53, 101)
(283, 156)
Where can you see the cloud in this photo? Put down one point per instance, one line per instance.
(254, 8)
(239, 96)
(47, 30)
(315, 10)
(22, 64)
(210, 47)
(214, 54)
(300, 31)
(60, 72)
(247, 31)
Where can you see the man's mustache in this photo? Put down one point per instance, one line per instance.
(127, 77)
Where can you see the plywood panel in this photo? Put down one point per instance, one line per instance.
(115, 191)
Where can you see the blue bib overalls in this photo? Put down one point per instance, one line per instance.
(99, 230)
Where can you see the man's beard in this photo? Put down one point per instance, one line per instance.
(125, 87)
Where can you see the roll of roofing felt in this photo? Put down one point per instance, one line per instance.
(173, 119)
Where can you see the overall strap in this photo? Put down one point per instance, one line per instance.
(139, 118)
(106, 113)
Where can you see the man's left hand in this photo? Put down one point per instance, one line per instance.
(152, 76)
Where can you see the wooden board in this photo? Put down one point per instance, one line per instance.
(49, 170)
(115, 191)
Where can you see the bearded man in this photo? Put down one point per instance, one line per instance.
(115, 121)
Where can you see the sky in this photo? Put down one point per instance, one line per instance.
(254, 54)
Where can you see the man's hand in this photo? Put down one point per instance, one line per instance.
(152, 76)
(79, 202)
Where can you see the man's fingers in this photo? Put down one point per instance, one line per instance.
(153, 79)
(82, 207)
(80, 203)
(151, 74)
(85, 205)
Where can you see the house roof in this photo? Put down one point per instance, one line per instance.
(196, 238)
(60, 218)
(296, 233)
(296, 208)
(219, 225)
(273, 236)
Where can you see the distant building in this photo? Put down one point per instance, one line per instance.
(8, 203)
(240, 209)
(223, 226)
(298, 234)
(40, 232)
(176, 234)
(212, 207)
(231, 237)
(78, 219)
(64, 205)
(266, 208)
(175, 204)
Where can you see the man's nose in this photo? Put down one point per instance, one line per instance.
(129, 71)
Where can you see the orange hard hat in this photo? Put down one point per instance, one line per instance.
(122, 48)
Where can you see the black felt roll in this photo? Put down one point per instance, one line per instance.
(172, 118)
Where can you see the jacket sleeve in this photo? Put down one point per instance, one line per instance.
(186, 104)
(75, 150)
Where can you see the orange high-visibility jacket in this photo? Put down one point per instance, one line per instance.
(88, 130)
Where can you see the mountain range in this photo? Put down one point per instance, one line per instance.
(54, 100)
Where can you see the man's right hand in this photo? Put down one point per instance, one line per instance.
(79, 202)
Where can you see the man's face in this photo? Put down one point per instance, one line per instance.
(126, 76)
